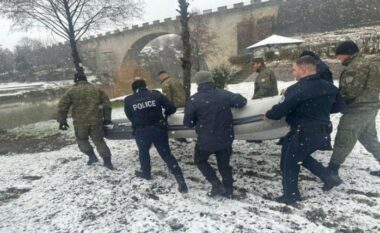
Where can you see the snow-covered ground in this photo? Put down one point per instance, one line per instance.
(56, 191)
(18, 88)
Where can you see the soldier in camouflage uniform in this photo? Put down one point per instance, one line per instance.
(360, 87)
(266, 82)
(90, 110)
(172, 89)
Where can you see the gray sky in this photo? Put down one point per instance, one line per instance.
(154, 10)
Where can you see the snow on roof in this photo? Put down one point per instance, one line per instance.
(275, 40)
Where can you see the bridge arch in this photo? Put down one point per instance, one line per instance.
(134, 50)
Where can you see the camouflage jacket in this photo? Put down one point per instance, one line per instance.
(90, 105)
(265, 84)
(174, 91)
(359, 83)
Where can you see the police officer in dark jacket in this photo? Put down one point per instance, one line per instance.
(307, 106)
(144, 110)
(209, 111)
(323, 69)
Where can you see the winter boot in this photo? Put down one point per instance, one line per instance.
(107, 162)
(286, 200)
(332, 182)
(182, 187)
(143, 175)
(375, 173)
(334, 168)
(217, 189)
(91, 157)
(229, 192)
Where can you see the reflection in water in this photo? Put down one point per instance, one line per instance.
(14, 115)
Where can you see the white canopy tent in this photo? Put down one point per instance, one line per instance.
(276, 40)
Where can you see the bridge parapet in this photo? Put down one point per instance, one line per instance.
(221, 9)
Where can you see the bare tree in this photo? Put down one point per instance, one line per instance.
(6, 61)
(26, 53)
(202, 40)
(69, 19)
(185, 37)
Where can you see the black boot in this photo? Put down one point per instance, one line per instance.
(331, 182)
(375, 173)
(286, 200)
(182, 187)
(334, 168)
(91, 157)
(107, 162)
(228, 192)
(217, 189)
(143, 175)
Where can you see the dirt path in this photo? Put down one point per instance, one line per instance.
(11, 143)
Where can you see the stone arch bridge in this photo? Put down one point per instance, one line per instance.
(235, 27)
(106, 53)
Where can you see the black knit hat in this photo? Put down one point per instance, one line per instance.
(347, 48)
(80, 77)
(139, 83)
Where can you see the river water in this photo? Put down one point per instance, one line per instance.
(19, 107)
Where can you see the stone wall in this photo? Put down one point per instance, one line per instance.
(307, 16)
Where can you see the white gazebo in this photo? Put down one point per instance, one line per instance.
(276, 41)
(273, 43)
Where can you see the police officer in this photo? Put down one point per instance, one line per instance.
(172, 89)
(91, 109)
(266, 82)
(144, 109)
(209, 111)
(306, 106)
(323, 70)
(359, 84)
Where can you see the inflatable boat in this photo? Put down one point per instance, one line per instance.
(248, 124)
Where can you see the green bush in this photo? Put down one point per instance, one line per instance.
(222, 75)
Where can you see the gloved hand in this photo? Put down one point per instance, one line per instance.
(107, 122)
(63, 125)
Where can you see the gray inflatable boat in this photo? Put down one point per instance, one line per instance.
(248, 124)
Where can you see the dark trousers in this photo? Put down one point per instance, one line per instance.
(157, 136)
(296, 151)
(223, 161)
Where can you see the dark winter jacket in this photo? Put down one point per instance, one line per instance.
(323, 71)
(209, 111)
(144, 108)
(308, 103)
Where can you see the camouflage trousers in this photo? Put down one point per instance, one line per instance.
(96, 133)
(353, 127)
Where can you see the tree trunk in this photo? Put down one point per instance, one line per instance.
(73, 43)
(185, 36)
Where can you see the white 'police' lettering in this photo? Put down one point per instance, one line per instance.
(146, 104)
